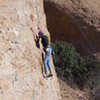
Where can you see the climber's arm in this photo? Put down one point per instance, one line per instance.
(33, 31)
(36, 38)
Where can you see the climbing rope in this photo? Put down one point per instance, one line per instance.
(86, 38)
(84, 35)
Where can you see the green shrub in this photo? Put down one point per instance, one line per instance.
(68, 63)
(90, 69)
(65, 59)
(89, 72)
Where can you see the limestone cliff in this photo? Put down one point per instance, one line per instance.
(20, 59)
(75, 21)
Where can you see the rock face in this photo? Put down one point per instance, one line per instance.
(77, 22)
(20, 59)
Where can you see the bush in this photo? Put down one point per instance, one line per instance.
(90, 68)
(65, 59)
(68, 63)
(89, 72)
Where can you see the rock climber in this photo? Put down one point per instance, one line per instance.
(47, 49)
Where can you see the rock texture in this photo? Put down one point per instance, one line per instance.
(77, 22)
(69, 93)
(20, 60)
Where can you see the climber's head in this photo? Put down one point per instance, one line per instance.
(40, 32)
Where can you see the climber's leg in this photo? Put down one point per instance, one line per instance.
(45, 64)
(49, 66)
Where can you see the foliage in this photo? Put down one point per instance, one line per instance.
(65, 58)
(68, 63)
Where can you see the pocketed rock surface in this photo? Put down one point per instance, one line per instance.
(20, 59)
